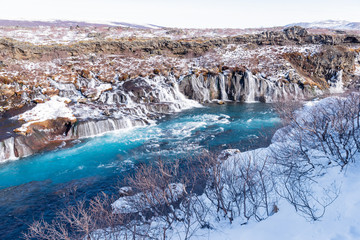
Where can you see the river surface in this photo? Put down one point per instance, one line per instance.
(39, 185)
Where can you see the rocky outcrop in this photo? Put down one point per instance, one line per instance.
(128, 104)
(197, 46)
(324, 66)
(95, 105)
(295, 33)
(137, 102)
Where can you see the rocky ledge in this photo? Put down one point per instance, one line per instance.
(162, 45)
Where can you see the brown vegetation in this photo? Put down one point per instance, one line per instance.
(320, 67)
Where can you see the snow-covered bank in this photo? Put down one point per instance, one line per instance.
(303, 186)
(322, 139)
(340, 221)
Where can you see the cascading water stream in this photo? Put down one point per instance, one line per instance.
(250, 87)
(137, 102)
(224, 95)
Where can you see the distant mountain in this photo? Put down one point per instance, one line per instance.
(330, 24)
(132, 25)
(61, 23)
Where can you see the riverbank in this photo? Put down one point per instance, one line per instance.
(300, 176)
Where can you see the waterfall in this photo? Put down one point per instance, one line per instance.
(250, 86)
(200, 89)
(246, 87)
(95, 128)
(336, 83)
(22, 149)
(7, 149)
(224, 95)
(13, 148)
(2, 152)
(235, 87)
(177, 97)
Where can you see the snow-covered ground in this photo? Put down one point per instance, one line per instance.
(328, 186)
(340, 222)
(66, 35)
(330, 24)
(129, 204)
(268, 60)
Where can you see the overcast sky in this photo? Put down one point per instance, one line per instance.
(185, 13)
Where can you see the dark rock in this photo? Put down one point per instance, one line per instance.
(262, 99)
(139, 87)
(340, 32)
(352, 39)
(295, 33)
(93, 35)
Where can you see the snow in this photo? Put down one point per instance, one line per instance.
(340, 221)
(357, 70)
(47, 35)
(267, 59)
(54, 108)
(330, 24)
(128, 204)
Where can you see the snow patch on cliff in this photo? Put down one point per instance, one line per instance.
(55, 108)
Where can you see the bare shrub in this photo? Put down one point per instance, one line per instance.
(167, 194)
(79, 221)
(331, 128)
(322, 136)
(242, 186)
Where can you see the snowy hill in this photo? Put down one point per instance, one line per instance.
(330, 24)
(67, 23)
